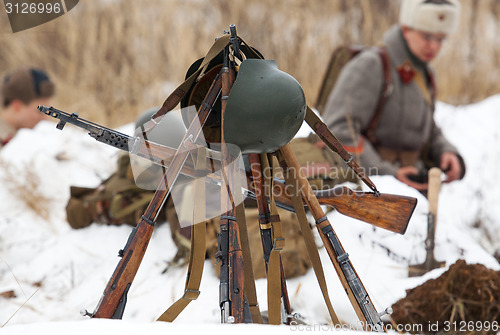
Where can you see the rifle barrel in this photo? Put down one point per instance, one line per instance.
(100, 133)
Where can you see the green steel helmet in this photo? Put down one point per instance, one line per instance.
(196, 93)
(170, 131)
(265, 108)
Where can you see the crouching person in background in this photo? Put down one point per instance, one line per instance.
(22, 91)
(395, 133)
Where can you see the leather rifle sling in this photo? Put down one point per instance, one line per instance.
(198, 247)
(312, 249)
(274, 266)
(176, 96)
(249, 287)
(369, 132)
(250, 290)
(359, 298)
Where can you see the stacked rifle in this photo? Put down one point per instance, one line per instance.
(237, 298)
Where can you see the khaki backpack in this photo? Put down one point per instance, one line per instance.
(117, 200)
(339, 58)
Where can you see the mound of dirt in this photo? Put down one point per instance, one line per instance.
(466, 298)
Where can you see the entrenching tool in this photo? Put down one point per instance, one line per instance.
(430, 262)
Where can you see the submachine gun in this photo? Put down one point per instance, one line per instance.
(236, 82)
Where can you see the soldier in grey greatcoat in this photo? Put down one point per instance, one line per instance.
(22, 90)
(406, 139)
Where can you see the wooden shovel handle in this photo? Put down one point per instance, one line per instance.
(433, 190)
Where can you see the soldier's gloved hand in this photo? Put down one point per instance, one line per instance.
(403, 175)
(450, 164)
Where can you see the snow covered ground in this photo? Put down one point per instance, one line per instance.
(55, 271)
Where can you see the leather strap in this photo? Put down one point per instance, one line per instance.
(312, 250)
(369, 132)
(250, 290)
(198, 247)
(274, 265)
(249, 279)
(176, 96)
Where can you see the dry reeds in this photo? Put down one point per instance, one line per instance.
(23, 183)
(113, 59)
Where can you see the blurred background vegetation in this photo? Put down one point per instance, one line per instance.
(113, 59)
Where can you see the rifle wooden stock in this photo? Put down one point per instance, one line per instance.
(388, 211)
(112, 303)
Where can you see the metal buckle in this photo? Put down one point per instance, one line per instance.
(191, 294)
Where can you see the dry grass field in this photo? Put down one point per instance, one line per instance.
(113, 59)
